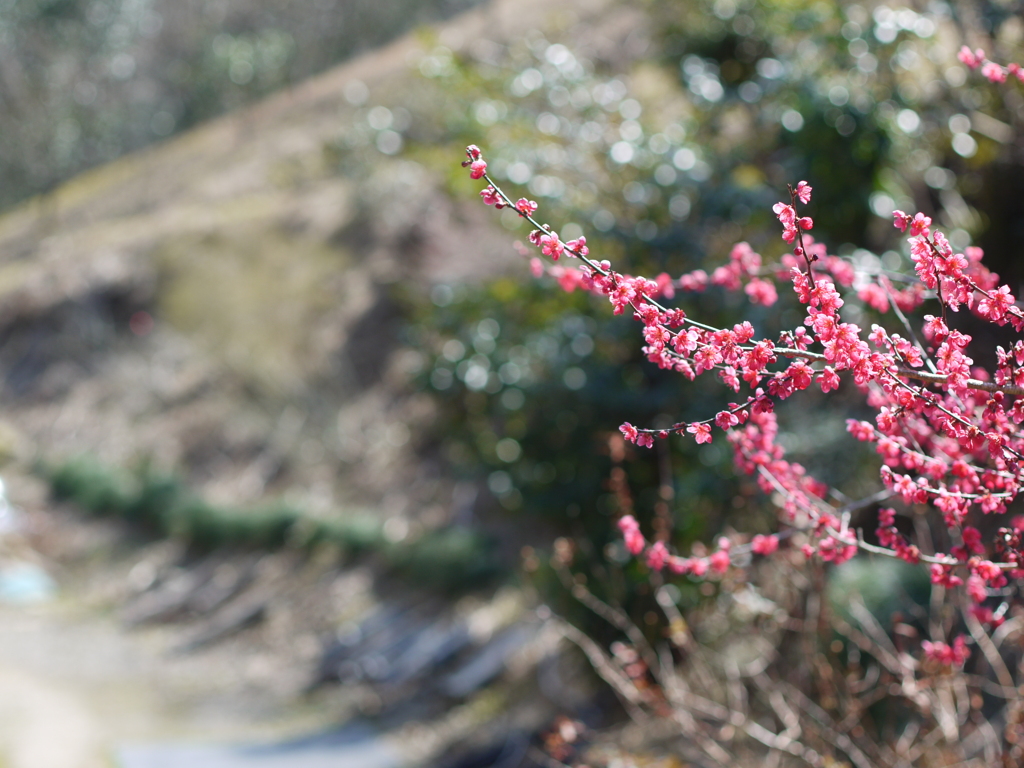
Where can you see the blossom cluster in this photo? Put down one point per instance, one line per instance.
(996, 73)
(946, 431)
(948, 655)
(658, 557)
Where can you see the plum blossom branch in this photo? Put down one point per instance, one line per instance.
(941, 435)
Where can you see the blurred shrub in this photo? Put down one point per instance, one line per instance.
(674, 148)
(449, 559)
(529, 398)
(886, 586)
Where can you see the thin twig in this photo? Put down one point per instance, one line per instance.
(988, 648)
(626, 691)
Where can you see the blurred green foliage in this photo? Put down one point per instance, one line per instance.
(452, 559)
(886, 586)
(531, 393)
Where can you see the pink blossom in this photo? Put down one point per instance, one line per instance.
(800, 373)
(862, 430)
(761, 292)
(694, 281)
(578, 247)
(491, 197)
(477, 169)
(701, 432)
(908, 554)
(831, 550)
(764, 545)
(803, 192)
(745, 257)
(674, 318)
(680, 565)
(935, 329)
(874, 296)
(719, 561)
(990, 573)
(943, 575)
(972, 539)
(971, 58)
(994, 72)
(955, 656)
(526, 207)
(536, 267)
(647, 314)
(630, 529)
(743, 332)
(621, 296)
(829, 379)
(666, 287)
(987, 616)
(787, 216)
(941, 439)
(976, 588)
(657, 556)
(628, 522)
(706, 358)
(902, 220)
(920, 224)
(657, 335)
(996, 304)
(727, 276)
(551, 246)
(886, 532)
(726, 419)
(634, 541)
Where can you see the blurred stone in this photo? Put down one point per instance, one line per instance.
(354, 746)
(23, 583)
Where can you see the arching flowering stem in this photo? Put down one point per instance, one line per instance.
(796, 226)
(604, 269)
(844, 538)
(962, 451)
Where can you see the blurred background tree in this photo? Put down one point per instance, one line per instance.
(85, 81)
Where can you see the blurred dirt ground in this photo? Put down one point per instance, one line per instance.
(138, 654)
(221, 304)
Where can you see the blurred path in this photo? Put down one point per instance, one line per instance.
(80, 689)
(76, 691)
(352, 747)
(45, 726)
(50, 717)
